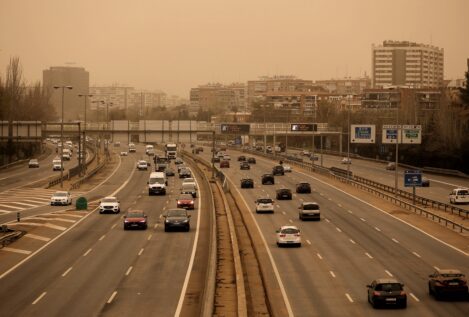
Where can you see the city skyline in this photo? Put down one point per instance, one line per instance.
(176, 46)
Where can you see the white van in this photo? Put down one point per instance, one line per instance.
(459, 196)
(149, 149)
(157, 183)
(56, 165)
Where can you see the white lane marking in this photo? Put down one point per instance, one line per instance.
(278, 206)
(388, 273)
(327, 220)
(349, 297)
(338, 229)
(349, 211)
(368, 255)
(363, 219)
(112, 297)
(284, 213)
(332, 273)
(15, 250)
(52, 226)
(291, 221)
(155, 226)
(67, 271)
(149, 237)
(113, 226)
(330, 199)
(416, 254)
(140, 252)
(414, 297)
(87, 252)
(339, 205)
(395, 240)
(352, 241)
(321, 194)
(39, 298)
(12, 207)
(102, 237)
(129, 270)
(37, 237)
(308, 242)
(377, 229)
(319, 256)
(436, 268)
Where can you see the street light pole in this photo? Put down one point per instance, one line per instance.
(62, 135)
(397, 151)
(265, 133)
(348, 139)
(81, 157)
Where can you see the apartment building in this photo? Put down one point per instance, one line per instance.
(118, 95)
(218, 97)
(403, 63)
(345, 86)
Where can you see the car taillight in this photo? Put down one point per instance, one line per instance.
(376, 293)
(402, 293)
(142, 220)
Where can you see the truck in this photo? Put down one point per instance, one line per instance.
(170, 150)
(157, 183)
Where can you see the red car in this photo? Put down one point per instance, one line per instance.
(185, 201)
(135, 219)
(224, 164)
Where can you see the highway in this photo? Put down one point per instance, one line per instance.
(97, 268)
(353, 244)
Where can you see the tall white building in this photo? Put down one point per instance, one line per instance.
(403, 63)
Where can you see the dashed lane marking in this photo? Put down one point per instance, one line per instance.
(37, 237)
(388, 273)
(414, 297)
(395, 240)
(15, 250)
(319, 256)
(129, 270)
(140, 252)
(377, 229)
(349, 297)
(67, 271)
(352, 241)
(332, 274)
(112, 297)
(87, 252)
(368, 255)
(363, 219)
(308, 242)
(39, 298)
(416, 254)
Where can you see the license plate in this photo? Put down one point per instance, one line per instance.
(453, 283)
(390, 299)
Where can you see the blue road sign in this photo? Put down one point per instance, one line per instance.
(412, 178)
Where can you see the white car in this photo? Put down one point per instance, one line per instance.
(142, 165)
(288, 235)
(287, 168)
(56, 164)
(226, 157)
(346, 160)
(189, 180)
(459, 196)
(124, 153)
(109, 204)
(61, 198)
(309, 210)
(264, 205)
(305, 153)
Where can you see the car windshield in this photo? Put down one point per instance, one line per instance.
(33, 161)
(135, 215)
(304, 184)
(109, 200)
(188, 180)
(290, 231)
(60, 194)
(264, 201)
(310, 207)
(452, 275)
(389, 287)
(185, 197)
(176, 213)
(156, 180)
(463, 192)
(188, 186)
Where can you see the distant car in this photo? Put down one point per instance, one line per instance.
(244, 166)
(305, 153)
(33, 163)
(109, 204)
(387, 291)
(169, 172)
(57, 165)
(178, 161)
(117, 144)
(135, 219)
(303, 188)
(288, 235)
(284, 193)
(447, 283)
(247, 183)
(391, 166)
(61, 198)
(185, 173)
(185, 201)
(287, 168)
(124, 153)
(142, 165)
(224, 164)
(177, 219)
(215, 159)
(314, 157)
(226, 157)
(241, 158)
(278, 170)
(200, 149)
(132, 148)
(346, 160)
(189, 188)
(459, 196)
(189, 180)
(309, 210)
(425, 182)
(264, 205)
(251, 160)
(267, 179)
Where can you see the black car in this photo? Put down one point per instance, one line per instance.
(135, 219)
(169, 172)
(387, 291)
(268, 179)
(303, 188)
(251, 160)
(244, 166)
(178, 161)
(177, 219)
(425, 182)
(185, 173)
(278, 170)
(241, 158)
(448, 283)
(215, 159)
(247, 183)
(284, 193)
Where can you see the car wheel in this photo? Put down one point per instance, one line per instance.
(279, 245)
(301, 217)
(188, 228)
(166, 229)
(404, 305)
(125, 227)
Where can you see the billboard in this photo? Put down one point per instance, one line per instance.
(411, 134)
(234, 128)
(363, 133)
(391, 134)
(304, 127)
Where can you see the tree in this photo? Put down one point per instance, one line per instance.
(464, 92)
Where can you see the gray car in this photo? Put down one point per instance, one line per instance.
(177, 219)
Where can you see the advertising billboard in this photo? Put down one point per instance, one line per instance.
(363, 133)
(234, 128)
(304, 127)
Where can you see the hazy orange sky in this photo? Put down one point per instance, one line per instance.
(178, 44)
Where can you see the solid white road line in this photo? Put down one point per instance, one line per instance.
(349, 297)
(416, 254)
(39, 298)
(388, 273)
(414, 297)
(368, 255)
(67, 271)
(15, 250)
(129, 270)
(87, 252)
(112, 297)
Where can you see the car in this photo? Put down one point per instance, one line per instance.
(57, 164)
(268, 149)
(220, 154)
(287, 168)
(124, 153)
(387, 291)
(189, 180)
(215, 159)
(135, 219)
(109, 204)
(157, 183)
(346, 160)
(305, 153)
(314, 157)
(61, 198)
(189, 188)
(448, 283)
(247, 183)
(251, 160)
(200, 149)
(181, 167)
(178, 161)
(117, 144)
(132, 148)
(284, 193)
(241, 158)
(185, 201)
(303, 188)
(244, 166)
(264, 204)
(185, 173)
(425, 182)
(226, 157)
(33, 163)
(278, 170)
(177, 219)
(459, 196)
(224, 164)
(66, 156)
(267, 179)
(169, 172)
(391, 166)
(142, 165)
(309, 210)
(288, 235)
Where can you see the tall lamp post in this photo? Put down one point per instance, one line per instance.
(98, 146)
(348, 137)
(108, 104)
(81, 157)
(62, 135)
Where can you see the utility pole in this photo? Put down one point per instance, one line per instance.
(62, 136)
